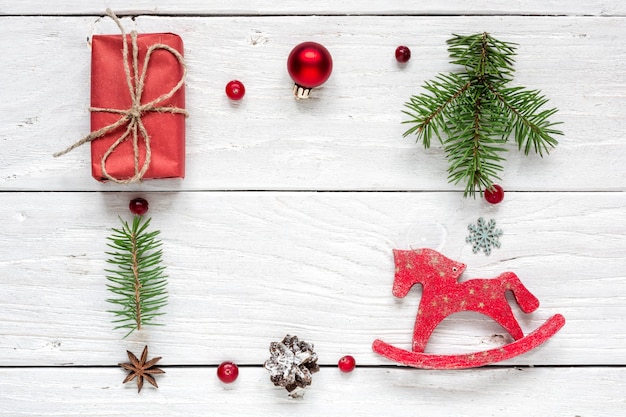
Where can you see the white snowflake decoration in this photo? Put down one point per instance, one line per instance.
(484, 235)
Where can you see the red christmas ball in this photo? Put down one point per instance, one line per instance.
(227, 372)
(309, 65)
(495, 194)
(235, 90)
(138, 206)
(346, 364)
(403, 54)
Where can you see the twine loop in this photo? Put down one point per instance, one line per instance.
(131, 117)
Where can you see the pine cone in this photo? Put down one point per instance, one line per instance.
(292, 364)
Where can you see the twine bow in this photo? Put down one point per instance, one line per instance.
(131, 117)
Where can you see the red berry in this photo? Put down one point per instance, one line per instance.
(403, 54)
(235, 90)
(346, 364)
(227, 372)
(138, 206)
(495, 194)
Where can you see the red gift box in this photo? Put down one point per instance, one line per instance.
(142, 130)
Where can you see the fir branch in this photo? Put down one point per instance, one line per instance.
(139, 280)
(482, 55)
(473, 148)
(428, 111)
(530, 125)
(474, 113)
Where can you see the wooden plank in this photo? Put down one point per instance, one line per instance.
(532, 392)
(290, 7)
(247, 268)
(348, 137)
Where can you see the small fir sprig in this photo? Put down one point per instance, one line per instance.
(138, 281)
(475, 112)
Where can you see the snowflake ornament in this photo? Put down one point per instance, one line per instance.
(484, 235)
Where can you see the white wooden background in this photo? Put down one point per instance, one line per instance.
(254, 250)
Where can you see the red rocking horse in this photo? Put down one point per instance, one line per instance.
(443, 295)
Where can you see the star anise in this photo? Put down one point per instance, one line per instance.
(141, 369)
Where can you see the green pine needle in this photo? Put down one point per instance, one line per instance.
(138, 280)
(473, 114)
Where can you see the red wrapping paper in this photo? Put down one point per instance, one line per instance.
(109, 89)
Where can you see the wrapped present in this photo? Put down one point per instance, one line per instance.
(137, 107)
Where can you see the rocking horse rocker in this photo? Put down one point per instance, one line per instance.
(443, 295)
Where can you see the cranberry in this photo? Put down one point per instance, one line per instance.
(346, 364)
(138, 206)
(495, 194)
(403, 54)
(235, 90)
(227, 372)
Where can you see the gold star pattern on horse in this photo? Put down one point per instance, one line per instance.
(141, 369)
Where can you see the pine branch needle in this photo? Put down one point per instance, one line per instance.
(138, 279)
(473, 113)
